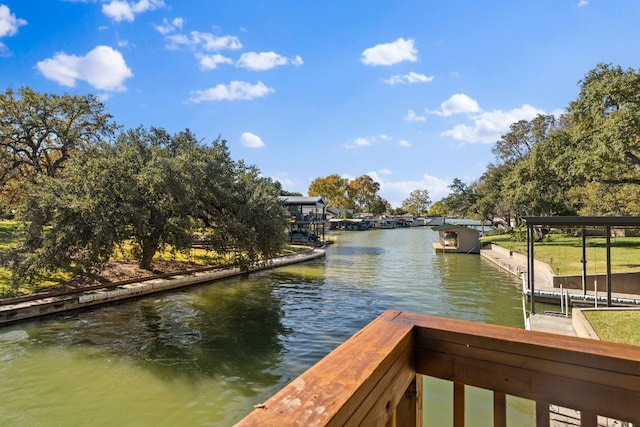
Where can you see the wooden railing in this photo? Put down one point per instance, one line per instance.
(375, 377)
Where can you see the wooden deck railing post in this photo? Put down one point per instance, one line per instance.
(499, 409)
(588, 420)
(458, 404)
(542, 415)
(408, 412)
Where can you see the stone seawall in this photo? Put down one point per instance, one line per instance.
(46, 305)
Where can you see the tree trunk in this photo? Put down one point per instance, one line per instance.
(149, 247)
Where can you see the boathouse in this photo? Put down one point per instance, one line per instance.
(307, 220)
(457, 239)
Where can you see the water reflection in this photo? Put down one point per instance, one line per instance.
(216, 331)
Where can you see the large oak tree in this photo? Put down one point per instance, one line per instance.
(152, 190)
(606, 119)
(40, 132)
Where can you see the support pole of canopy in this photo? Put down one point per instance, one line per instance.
(530, 258)
(608, 266)
(584, 263)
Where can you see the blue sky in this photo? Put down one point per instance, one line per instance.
(412, 93)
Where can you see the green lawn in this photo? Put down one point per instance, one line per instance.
(615, 325)
(564, 253)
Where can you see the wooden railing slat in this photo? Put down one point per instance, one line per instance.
(588, 419)
(525, 357)
(458, 404)
(542, 414)
(573, 351)
(499, 409)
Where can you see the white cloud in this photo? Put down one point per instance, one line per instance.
(169, 27)
(213, 43)
(412, 117)
(120, 10)
(204, 41)
(409, 78)
(397, 191)
(207, 47)
(583, 3)
(365, 142)
(390, 53)
(211, 62)
(236, 90)
(103, 68)
(176, 41)
(457, 104)
(404, 143)
(260, 61)
(9, 24)
(283, 178)
(360, 142)
(250, 140)
(488, 126)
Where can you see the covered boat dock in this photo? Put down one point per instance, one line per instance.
(583, 223)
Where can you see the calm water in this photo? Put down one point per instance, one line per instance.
(204, 356)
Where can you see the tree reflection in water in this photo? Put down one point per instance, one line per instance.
(230, 331)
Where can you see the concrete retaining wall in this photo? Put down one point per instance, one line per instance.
(49, 305)
(625, 283)
(516, 264)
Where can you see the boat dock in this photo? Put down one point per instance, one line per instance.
(560, 322)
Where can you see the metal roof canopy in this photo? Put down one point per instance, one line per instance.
(302, 200)
(584, 221)
(575, 222)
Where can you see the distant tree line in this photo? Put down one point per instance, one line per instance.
(361, 195)
(585, 162)
(85, 188)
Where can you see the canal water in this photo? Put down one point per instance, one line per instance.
(206, 355)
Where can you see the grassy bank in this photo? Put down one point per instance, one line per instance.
(11, 235)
